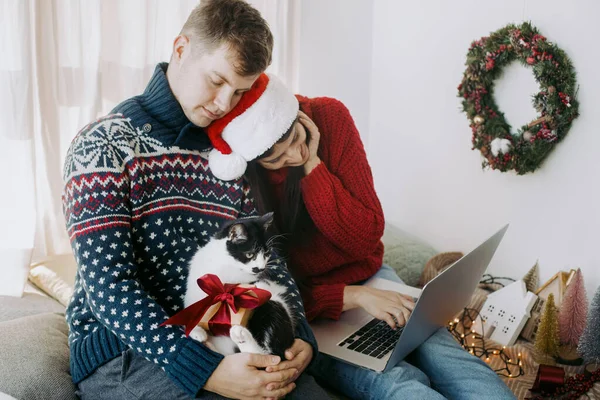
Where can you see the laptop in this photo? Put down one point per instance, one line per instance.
(359, 339)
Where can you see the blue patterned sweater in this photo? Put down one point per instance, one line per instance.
(138, 200)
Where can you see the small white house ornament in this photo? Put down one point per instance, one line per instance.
(505, 313)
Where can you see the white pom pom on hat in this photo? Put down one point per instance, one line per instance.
(253, 126)
(226, 166)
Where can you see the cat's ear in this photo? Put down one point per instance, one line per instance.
(238, 233)
(267, 221)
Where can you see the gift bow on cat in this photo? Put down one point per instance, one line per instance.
(231, 296)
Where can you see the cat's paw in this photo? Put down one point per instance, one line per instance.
(199, 334)
(244, 340)
(240, 335)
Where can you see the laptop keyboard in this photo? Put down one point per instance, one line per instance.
(375, 339)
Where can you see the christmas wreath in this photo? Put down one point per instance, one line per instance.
(556, 102)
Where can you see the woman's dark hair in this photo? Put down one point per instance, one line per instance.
(291, 217)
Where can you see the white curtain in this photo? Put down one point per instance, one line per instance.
(66, 62)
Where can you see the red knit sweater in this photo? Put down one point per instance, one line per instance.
(341, 200)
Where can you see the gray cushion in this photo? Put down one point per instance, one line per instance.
(406, 254)
(29, 304)
(35, 358)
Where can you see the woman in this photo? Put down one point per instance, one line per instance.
(317, 179)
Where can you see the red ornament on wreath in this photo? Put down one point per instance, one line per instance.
(525, 150)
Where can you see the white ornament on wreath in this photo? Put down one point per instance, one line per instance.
(500, 146)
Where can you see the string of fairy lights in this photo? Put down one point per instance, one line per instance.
(489, 280)
(475, 344)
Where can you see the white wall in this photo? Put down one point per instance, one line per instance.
(335, 54)
(430, 181)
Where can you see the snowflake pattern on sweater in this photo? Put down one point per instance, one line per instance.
(136, 210)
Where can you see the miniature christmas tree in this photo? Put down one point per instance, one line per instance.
(589, 343)
(546, 340)
(532, 278)
(573, 311)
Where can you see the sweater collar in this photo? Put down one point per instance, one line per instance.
(278, 176)
(174, 128)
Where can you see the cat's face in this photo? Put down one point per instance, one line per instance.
(248, 242)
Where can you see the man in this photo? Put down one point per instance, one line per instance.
(139, 199)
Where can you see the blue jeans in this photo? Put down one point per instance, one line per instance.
(438, 369)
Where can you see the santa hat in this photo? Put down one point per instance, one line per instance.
(263, 115)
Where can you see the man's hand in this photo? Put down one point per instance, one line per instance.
(384, 305)
(297, 358)
(238, 377)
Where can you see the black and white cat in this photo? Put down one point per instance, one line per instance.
(239, 253)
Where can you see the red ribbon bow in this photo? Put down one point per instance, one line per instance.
(231, 296)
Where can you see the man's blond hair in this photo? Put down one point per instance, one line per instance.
(235, 24)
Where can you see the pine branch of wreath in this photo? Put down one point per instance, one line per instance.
(524, 151)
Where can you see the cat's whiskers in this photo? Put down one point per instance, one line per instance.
(274, 245)
(271, 263)
(275, 237)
